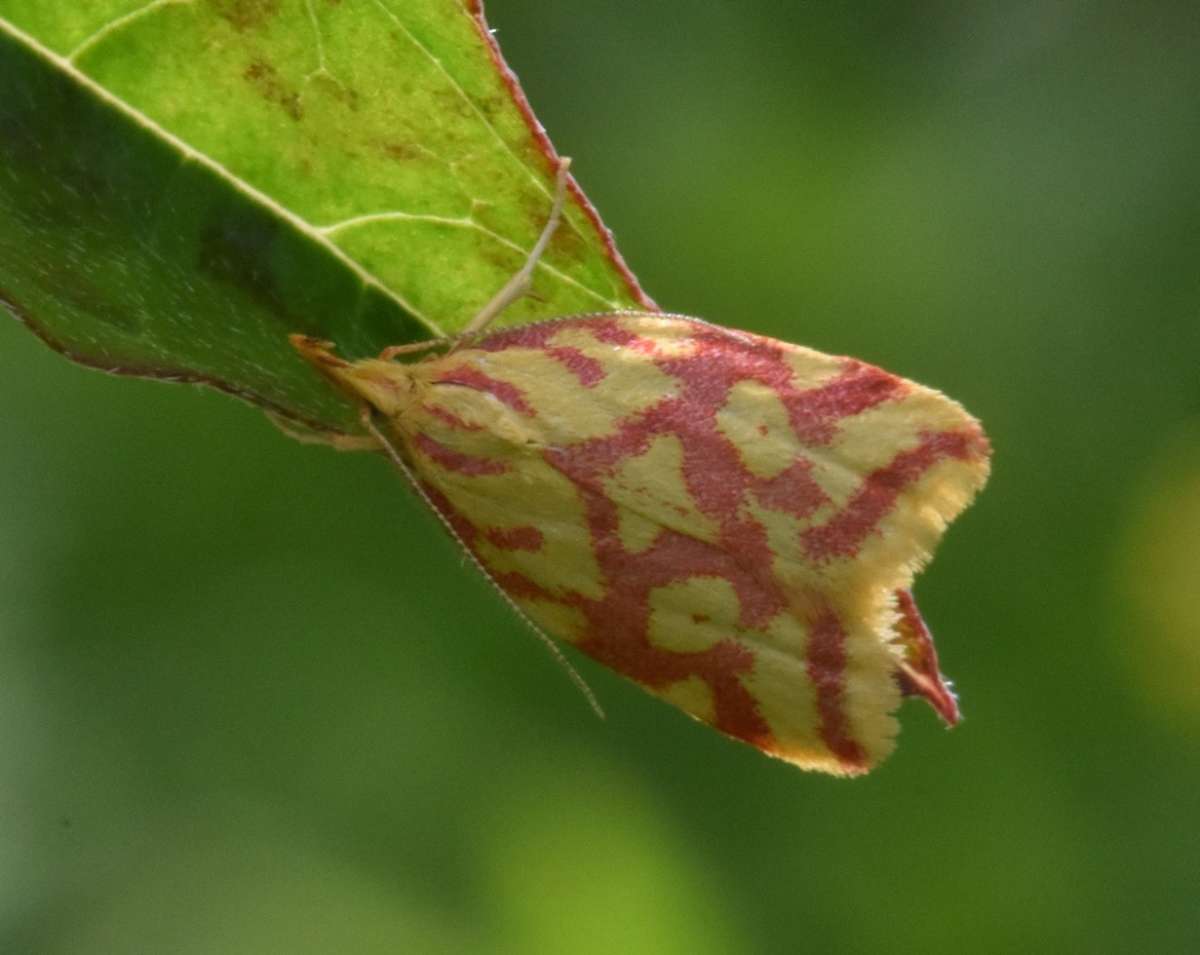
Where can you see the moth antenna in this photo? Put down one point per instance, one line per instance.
(553, 648)
(519, 284)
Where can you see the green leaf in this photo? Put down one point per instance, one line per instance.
(186, 182)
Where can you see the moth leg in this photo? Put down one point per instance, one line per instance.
(519, 284)
(334, 439)
(513, 289)
(393, 350)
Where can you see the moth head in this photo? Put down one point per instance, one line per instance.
(384, 385)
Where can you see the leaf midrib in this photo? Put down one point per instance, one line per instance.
(190, 153)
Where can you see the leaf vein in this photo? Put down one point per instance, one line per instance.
(463, 222)
(113, 26)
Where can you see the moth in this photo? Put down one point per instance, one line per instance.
(730, 521)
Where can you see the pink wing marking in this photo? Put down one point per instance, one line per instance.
(453, 460)
(469, 377)
(843, 534)
(584, 367)
(792, 491)
(826, 664)
(526, 538)
(448, 417)
(588, 370)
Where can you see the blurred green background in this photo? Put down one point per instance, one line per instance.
(252, 701)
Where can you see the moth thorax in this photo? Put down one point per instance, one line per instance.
(385, 385)
(471, 420)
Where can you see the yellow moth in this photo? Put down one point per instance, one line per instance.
(732, 522)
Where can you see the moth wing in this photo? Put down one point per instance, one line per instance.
(720, 517)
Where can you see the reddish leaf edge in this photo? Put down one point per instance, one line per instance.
(177, 376)
(542, 138)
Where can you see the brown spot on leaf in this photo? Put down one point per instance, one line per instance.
(266, 80)
(246, 14)
(402, 152)
(450, 102)
(327, 85)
